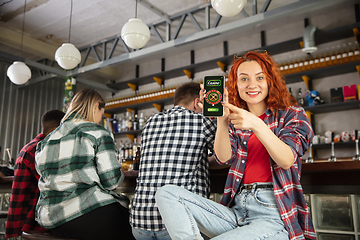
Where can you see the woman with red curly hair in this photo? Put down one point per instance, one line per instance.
(262, 136)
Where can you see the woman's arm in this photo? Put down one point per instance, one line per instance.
(279, 151)
(108, 167)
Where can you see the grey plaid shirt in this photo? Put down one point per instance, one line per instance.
(78, 172)
(174, 150)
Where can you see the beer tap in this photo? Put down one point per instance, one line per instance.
(310, 158)
(332, 157)
(357, 156)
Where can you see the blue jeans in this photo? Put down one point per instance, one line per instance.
(141, 234)
(254, 216)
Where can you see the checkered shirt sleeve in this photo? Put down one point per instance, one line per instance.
(174, 151)
(24, 192)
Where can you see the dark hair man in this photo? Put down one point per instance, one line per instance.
(174, 150)
(24, 191)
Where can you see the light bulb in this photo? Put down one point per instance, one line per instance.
(135, 33)
(67, 56)
(228, 8)
(19, 73)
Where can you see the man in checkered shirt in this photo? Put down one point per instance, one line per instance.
(174, 150)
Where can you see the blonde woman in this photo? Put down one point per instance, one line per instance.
(79, 173)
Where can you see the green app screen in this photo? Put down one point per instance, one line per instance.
(214, 86)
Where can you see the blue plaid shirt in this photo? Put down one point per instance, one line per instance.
(293, 127)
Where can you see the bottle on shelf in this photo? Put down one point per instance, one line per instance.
(119, 129)
(357, 51)
(124, 124)
(300, 98)
(290, 92)
(136, 163)
(134, 147)
(141, 121)
(130, 150)
(333, 59)
(136, 123)
(126, 151)
(130, 126)
(115, 124)
(121, 151)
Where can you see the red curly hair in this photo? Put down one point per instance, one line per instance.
(278, 96)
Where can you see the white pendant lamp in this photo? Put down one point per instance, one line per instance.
(18, 72)
(68, 56)
(135, 33)
(228, 8)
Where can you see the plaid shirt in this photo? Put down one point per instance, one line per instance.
(174, 147)
(79, 172)
(293, 127)
(24, 192)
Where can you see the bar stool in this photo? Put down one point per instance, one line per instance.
(40, 235)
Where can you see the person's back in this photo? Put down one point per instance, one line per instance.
(25, 192)
(79, 173)
(174, 150)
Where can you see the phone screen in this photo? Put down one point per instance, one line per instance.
(214, 86)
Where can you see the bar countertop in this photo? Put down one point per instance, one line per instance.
(341, 177)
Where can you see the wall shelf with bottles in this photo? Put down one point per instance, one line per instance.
(140, 106)
(286, 46)
(322, 72)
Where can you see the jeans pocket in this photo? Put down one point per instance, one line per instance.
(265, 198)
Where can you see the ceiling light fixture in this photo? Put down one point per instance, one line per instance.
(228, 8)
(135, 33)
(18, 72)
(68, 56)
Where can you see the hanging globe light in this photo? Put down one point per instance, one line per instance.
(19, 73)
(135, 33)
(228, 8)
(67, 56)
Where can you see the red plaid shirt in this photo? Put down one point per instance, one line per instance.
(293, 127)
(24, 192)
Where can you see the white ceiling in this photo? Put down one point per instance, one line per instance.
(47, 23)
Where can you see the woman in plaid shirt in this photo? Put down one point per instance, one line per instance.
(262, 135)
(79, 173)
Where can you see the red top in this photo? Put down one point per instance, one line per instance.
(257, 166)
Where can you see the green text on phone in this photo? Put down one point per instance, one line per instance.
(214, 86)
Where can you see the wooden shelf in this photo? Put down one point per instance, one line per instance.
(140, 106)
(333, 107)
(331, 166)
(290, 45)
(323, 72)
(336, 145)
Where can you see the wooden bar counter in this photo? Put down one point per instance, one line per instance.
(341, 177)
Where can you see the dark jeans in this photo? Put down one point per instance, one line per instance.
(108, 222)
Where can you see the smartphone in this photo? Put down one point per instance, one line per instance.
(214, 95)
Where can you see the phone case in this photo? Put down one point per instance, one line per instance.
(214, 95)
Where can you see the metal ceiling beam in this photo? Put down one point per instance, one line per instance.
(52, 73)
(155, 10)
(260, 18)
